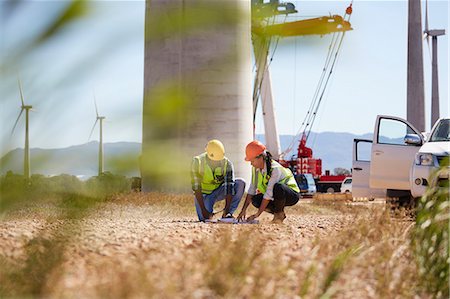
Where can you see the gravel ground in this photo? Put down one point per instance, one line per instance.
(118, 237)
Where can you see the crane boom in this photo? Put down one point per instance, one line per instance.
(320, 26)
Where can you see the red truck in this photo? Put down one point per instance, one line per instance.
(305, 163)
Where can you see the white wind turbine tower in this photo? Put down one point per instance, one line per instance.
(100, 144)
(26, 159)
(435, 114)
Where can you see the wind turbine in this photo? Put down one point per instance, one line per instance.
(100, 144)
(435, 113)
(26, 159)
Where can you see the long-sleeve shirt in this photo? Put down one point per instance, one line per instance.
(276, 176)
(227, 180)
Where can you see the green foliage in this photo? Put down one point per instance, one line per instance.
(431, 242)
(107, 184)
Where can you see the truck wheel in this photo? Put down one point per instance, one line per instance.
(402, 206)
(407, 202)
(330, 190)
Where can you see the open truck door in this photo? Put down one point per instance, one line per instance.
(361, 171)
(392, 154)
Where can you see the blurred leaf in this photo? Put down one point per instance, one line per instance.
(167, 109)
(431, 236)
(123, 164)
(165, 166)
(75, 10)
(202, 15)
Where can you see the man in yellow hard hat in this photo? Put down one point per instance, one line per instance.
(212, 177)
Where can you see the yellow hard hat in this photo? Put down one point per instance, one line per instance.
(215, 150)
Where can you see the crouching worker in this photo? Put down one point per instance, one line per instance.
(213, 180)
(272, 187)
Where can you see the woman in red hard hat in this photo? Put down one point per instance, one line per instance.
(272, 186)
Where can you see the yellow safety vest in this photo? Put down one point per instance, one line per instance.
(210, 180)
(263, 179)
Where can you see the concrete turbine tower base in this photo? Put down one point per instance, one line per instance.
(197, 87)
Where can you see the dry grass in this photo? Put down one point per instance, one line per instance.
(150, 246)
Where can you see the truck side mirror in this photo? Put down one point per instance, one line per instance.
(412, 139)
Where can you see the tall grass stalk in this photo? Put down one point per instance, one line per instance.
(431, 236)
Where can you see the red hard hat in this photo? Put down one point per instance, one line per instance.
(254, 149)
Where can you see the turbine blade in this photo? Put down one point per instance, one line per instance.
(21, 92)
(95, 103)
(429, 49)
(17, 120)
(426, 15)
(92, 131)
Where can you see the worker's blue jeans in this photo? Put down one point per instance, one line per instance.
(218, 195)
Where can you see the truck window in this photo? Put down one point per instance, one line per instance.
(301, 180)
(363, 151)
(441, 133)
(393, 132)
(310, 180)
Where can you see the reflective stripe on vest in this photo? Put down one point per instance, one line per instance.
(288, 179)
(211, 181)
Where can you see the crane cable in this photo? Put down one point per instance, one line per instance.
(262, 55)
(348, 12)
(316, 101)
(313, 101)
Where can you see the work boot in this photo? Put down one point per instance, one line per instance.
(279, 217)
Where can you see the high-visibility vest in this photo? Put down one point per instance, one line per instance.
(263, 179)
(211, 180)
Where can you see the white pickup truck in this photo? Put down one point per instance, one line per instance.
(398, 162)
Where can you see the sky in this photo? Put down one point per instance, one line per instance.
(103, 54)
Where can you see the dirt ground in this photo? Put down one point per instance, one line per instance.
(139, 249)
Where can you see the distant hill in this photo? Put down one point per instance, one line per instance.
(335, 150)
(81, 160)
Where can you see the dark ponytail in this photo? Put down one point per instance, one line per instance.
(268, 159)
